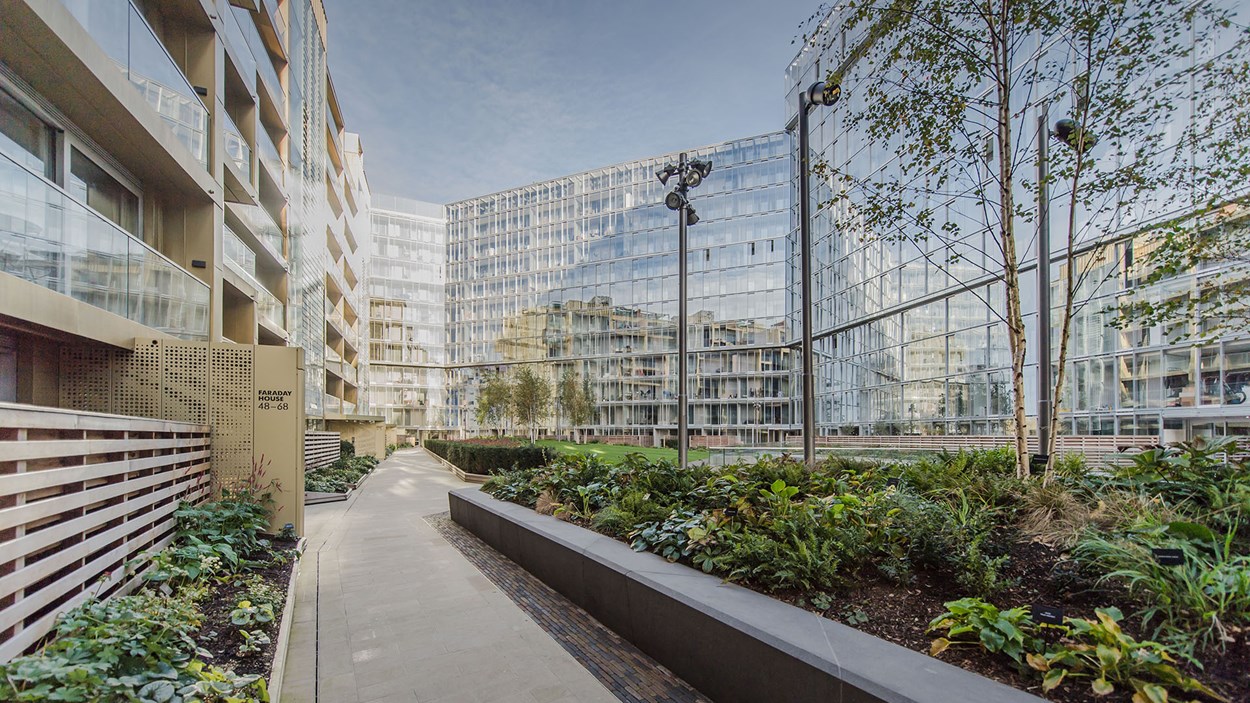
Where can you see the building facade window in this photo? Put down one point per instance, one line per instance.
(26, 138)
(91, 184)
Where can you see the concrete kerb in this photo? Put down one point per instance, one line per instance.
(278, 669)
(731, 643)
(321, 498)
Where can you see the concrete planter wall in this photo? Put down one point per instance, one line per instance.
(731, 643)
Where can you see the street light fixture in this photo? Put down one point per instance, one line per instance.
(823, 94)
(690, 174)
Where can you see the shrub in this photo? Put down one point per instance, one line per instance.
(347, 449)
(1204, 595)
(486, 459)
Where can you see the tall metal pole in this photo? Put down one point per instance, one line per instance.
(683, 437)
(805, 288)
(1043, 287)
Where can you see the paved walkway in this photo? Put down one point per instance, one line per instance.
(388, 611)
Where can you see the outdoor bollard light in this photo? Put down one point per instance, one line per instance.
(689, 175)
(822, 94)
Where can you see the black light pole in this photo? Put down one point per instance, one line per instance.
(825, 94)
(689, 175)
(1043, 290)
(1066, 132)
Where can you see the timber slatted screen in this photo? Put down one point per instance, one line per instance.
(81, 495)
(320, 449)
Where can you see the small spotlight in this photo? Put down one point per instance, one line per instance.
(666, 173)
(674, 200)
(824, 93)
(692, 217)
(697, 171)
(1068, 132)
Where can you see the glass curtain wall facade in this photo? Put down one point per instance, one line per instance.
(407, 314)
(909, 337)
(579, 274)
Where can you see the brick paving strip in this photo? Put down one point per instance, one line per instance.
(622, 668)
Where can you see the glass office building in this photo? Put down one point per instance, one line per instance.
(579, 274)
(909, 334)
(407, 314)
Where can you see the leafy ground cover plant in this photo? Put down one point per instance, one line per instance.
(173, 641)
(886, 541)
(340, 476)
(1096, 649)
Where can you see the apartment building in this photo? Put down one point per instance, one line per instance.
(175, 170)
(579, 274)
(407, 315)
(908, 340)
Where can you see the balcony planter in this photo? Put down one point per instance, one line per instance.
(731, 643)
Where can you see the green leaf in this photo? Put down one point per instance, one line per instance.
(1054, 677)
(1102, 687)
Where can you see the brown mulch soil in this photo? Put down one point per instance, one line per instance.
(1037, 574)
(221, 637)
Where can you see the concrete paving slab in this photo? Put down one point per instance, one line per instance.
(387, 609)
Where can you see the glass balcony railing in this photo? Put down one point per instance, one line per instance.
(243, 260)
(123, 33)
(237, 150)
(238, 44)
(238, 252)
(261, 224)
(48, 238)
(260, 54)
(269, 155)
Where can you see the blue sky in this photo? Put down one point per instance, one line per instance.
(457, 98)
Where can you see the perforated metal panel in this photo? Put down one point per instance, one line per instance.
(86, 379)
(230, 412)
(184, 381)
(137, 381)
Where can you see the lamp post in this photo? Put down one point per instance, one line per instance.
(1066, 132)
(689, 175)
(821, 93)
(1043, 291)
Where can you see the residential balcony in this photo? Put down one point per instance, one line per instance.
(51, 239)
(238, 152)
(334, 193)
(341, 327)
(260, 224)
(121, 30)
(242, 261)
(271, 158)
(264, 61)
(237, 46)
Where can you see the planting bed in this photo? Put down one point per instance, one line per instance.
(948, 556)
(204, 626)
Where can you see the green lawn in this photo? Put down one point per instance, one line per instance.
(613, 453)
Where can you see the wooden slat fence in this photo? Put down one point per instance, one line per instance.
(82, 495)
(320, 449)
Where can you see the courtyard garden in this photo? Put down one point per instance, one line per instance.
(203, 627)
(1126, 582)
